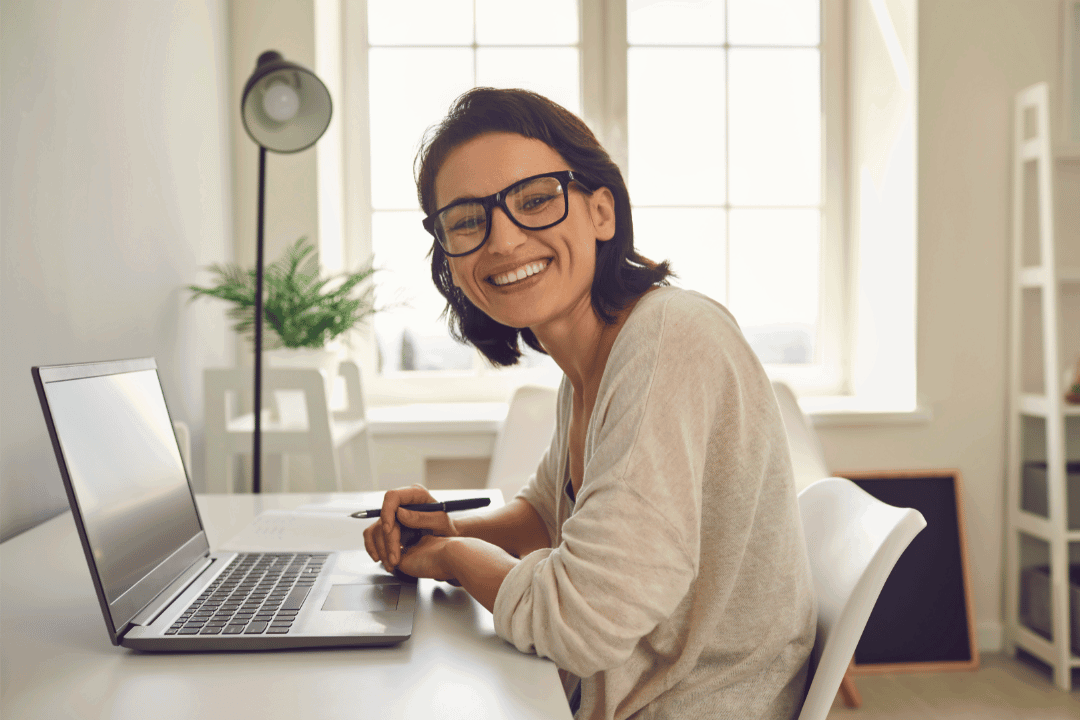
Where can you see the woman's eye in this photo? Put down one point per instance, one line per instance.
(468, 224)
(534, 202)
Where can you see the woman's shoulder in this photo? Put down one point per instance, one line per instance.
(671, 309)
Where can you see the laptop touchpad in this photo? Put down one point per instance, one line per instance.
(377, 597)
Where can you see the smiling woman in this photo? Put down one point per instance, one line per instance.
(656, 554)
(549, 139)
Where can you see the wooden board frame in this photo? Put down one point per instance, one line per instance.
(937, 665)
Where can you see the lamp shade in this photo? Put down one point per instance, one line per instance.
(286, 107)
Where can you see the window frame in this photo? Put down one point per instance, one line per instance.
(603, 46)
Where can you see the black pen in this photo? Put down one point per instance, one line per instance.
(448, 506)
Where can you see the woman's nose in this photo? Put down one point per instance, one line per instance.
(505, 236)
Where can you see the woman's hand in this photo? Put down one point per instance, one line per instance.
(428, 559)
(382, 539)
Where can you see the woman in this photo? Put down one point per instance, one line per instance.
(657, 554)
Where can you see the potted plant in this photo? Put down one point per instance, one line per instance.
(302, 311)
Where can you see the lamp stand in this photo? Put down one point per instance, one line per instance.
(256, 436)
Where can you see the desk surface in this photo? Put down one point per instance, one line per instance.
(56, 660)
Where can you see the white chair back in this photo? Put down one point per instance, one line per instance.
(308, 429)
(807, 455)
(523, 438)
(853, 540)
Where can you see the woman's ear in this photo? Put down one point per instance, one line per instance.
(602, 210)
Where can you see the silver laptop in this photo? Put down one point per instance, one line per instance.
(159, 585)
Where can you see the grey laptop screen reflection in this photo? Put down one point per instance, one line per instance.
(123, 461)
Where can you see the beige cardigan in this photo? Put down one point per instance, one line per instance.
(677, 584)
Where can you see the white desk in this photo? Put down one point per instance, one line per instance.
(56, 660)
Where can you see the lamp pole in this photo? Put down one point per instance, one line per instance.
(285, 108)
(256, 435)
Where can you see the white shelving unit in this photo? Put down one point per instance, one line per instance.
(1042, 426)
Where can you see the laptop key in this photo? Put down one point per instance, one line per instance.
(254, 628)
(278, 629)
(210, 630)
(234, 629)
(296, 598)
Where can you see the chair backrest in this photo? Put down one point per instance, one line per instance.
(523, 438)
(853, 540)
(807, 455)
(297, 396)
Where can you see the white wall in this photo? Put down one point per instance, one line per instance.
(116, 182)
(973, 57)
(291, 199)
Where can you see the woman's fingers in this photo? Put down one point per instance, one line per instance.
(390, 531)
(383, 538)
(434, 521)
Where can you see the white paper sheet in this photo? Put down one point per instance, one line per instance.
(304, 530)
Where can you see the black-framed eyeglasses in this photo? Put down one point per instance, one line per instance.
(535, 203)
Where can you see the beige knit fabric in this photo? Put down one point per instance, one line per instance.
(677, 585)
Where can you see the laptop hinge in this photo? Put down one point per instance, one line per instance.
(163, 599)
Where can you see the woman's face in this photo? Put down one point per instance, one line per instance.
(559, 261)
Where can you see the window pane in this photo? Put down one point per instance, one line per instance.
(775, 259)
(441, 22)
(675, 22)
(675, 111)
(552, 72)
(692, 239)
(774, 22)
(410, 334)
(775, 127)
(525, 22)
(410, 90)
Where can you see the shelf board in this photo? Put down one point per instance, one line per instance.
(1035, 276)
(1034, 525)
(1037, 405)
(1039, 646)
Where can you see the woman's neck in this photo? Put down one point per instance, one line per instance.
(580, 346)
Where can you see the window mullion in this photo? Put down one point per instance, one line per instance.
(603, 74)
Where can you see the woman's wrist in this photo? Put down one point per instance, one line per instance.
(478, 566)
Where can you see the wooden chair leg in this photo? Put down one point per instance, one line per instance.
(848, 692)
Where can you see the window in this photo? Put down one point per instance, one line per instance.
(715, 112)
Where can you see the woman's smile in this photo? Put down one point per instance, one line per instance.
(515, 276)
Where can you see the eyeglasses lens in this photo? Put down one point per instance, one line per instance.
(533, 204)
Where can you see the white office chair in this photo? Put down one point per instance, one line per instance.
(288, 428)
(807, 455)
(523, 438)
(853, 540)
(183, 441)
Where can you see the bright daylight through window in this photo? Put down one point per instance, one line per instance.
(721, 131)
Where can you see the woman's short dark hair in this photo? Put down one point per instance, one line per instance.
(621, 273)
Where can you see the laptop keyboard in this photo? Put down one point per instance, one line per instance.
(258, 593)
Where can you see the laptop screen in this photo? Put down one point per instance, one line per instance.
(125, 472)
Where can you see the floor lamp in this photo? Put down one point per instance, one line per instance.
(286, 108)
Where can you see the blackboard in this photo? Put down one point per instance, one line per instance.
(923, 619)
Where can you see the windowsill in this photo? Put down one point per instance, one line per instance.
(851, 411)
(437, 418)
(487, 417)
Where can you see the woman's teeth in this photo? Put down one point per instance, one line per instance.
(520, 274)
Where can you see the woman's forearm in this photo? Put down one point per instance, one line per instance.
(516, 528)
(478, 566)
